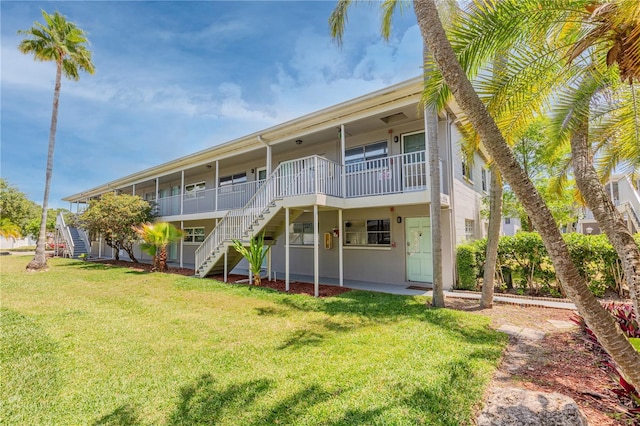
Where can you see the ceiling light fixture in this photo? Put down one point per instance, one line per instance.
(298, 141)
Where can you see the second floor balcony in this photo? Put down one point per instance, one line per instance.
(311, 175)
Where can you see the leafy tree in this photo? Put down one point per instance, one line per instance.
(471, 104)
(254, 254)
(115, 217)
(16, 207)
(64, 43)
(156, 238)
(33, 226)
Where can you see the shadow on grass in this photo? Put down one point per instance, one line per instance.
(204, 402)
(207, 402)
(125, 415)
(380, 308)
(301, 338)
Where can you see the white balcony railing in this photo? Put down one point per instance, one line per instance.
(389, 175)
(312, 175)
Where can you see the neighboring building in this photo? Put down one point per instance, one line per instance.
(357, 170)
(625, 197)
(511, 225)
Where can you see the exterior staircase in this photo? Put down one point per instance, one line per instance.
(265, 212)
(75, 239)
(79, 246)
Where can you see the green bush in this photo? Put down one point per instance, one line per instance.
(524, 264)
(467, 267)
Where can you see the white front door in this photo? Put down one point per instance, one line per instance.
(419, 253)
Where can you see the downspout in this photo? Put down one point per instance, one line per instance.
(265, 143)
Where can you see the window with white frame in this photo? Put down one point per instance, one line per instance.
(368, 232)
(192, 189)
(354, 157)
(227, 182)
(469, 229)
(194, 235)
(484, 180)
(301, 233)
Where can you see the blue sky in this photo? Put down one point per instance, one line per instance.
(173, 78)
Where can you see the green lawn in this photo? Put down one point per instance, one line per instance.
(89, 344)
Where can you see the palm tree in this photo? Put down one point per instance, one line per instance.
(336, 23)
(63, 42)
(9, 230)
(157, 238)
(254, 254)
(455, 77)
(493, 238)
(546, 41)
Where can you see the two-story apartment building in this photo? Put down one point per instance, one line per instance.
(340, 193)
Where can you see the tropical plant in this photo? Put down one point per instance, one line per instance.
(64, 43)
(254, 254)
(560, 56)
(471, 105)
(9, 230)
(336, 23)
(115, 216)
(157, 237)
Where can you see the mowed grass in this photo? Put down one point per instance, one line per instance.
(90, 344)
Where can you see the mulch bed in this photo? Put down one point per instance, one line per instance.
(294, 286)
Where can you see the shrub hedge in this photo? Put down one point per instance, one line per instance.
(524, 266)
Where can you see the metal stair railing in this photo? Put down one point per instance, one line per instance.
(66, 235)
(633, 214)
(289, 179)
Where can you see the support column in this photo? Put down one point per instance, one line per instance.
(269, 263)
(268, 160)
(340, 250)
(286, 248)
(343, 143)
(217, 182)
(226, 266)
(78, 206)
(100, 246)
(316, 253)
(157, 188)
(182, 245)
(182, 193)
(133, 191)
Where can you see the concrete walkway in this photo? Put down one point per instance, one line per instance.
(406, 291)
(403, 289)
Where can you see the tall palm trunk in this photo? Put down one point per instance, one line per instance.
(596, 317)
(605, 212)
(431, 124)
(493, 238)
(39, 261)
(431, 119)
